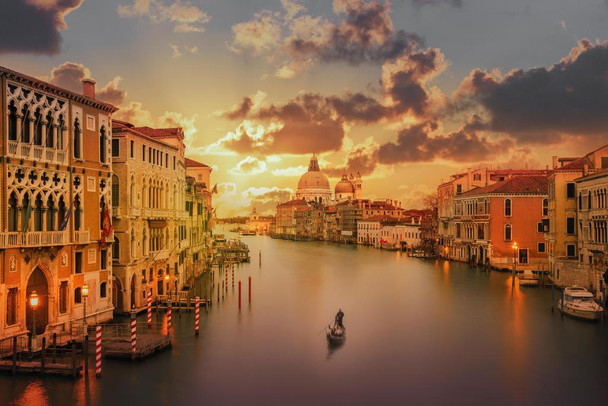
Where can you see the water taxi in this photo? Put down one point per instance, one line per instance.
(527, 278)
(578, 302)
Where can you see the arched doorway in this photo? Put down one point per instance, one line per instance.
(37, 283)
(480, 257)
(117, 294)
(132, 291)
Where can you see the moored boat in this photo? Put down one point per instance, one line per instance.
(578, 302)
(527, 278)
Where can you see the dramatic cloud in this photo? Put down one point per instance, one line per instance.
(249, 166)
(110, 93)
(185, 16)
(293, 41)
(454, 3)
(33, 26)
(541, 105)
(361, 159)
(69, 75)
(292, 171)
(230, 202)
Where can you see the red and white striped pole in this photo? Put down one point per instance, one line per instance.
(169, 317)
(226, 274)
(233, 274)
(98, 351)
(150, 308)
(197, 315)
(133, 331)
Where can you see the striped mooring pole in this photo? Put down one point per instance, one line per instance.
(150, 309)
(226, 274)
(197, 315)
(98, 351)
(169, 317)
(233, 274)
(133, 330)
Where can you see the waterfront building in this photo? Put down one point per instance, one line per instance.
(285, 218)
(349, 188)
(313, 186)
(381, 231)
(348, 213)
(202, 175)
(195, 255)
(57, 189)
(149, 211)
(259, 224)
(489, 220)
(561, 215)
(592, 191)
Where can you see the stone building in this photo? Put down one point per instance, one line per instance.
(56, 176)
(313, 186)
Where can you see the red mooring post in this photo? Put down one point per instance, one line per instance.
(133, 331)
(169, 317)
(226, 274)
(149, 308)
(249, 289)
(233, 274)
(197, 312)
(98, 351)
(239, 294)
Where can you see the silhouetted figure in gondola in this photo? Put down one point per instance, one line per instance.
(339, 318)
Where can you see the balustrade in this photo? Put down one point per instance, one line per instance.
(18, 149)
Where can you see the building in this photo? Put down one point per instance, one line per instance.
(285, 218)
(489, 220)
(349, 189)
(561, 231)
(150, 212)
(57, 237)
(259, 224)
(592, 190)
(313, 186)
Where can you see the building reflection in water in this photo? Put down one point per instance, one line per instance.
(34, 394)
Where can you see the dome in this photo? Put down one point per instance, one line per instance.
(345, 186)
(313, 180)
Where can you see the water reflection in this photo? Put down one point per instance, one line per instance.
(33, 394)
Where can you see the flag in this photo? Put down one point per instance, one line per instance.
(26, 221)
(64, 223)
(214, 190)
(106, 226)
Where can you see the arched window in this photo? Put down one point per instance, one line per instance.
(132, 189)
(77, 213)
(116, 248)
(38, 225)
(115, 191)
(545, 207)
(133, 244)
(50, 141)
(507, 207)
(25, 125)
(12, 212)
(38, 128)
(12, 122)
(103, 289)
(60, 135)
(508, 232)
(78, 295)
(50, 214)
(61, 211)
(26, 212)
(102, 144)
(77, 139)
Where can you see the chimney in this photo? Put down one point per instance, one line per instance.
(585, 169)
(88, 88)
(554, 161)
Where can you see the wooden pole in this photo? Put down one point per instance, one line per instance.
(54, 348)
(239, 294)
(85, 351)
(169, 318)
(14, 355)
(249, 289)
(43, 355)
(133, 332)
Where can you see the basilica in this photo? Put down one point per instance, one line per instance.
(314, 186)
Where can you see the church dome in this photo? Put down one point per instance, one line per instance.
(345, 186)
(314, 178)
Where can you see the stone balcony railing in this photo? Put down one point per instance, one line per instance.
(82, 236)
(135, 211)
(20, 150)
(33, 239)
(116, 212)
(158, 255)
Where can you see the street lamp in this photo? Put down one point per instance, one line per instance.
(514, 246)
(85, 294)
(167, 277)
(34, 304)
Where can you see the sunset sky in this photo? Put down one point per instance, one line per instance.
(405, 92)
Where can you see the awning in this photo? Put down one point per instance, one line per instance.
(157, 223)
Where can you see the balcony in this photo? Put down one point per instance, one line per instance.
(33, 239)
(159, 255)
(82, 236)
(135, 211)
(116, 212)
(40, 153)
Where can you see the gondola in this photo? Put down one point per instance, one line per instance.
(336, 335)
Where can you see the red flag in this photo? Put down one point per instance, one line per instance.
(214, 190)
(106, 227)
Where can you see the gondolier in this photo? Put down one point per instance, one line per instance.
(339, 317)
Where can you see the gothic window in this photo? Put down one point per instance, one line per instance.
(25, 125)
(50, 142)
(132, 196)
(12, 122)
(115, 191)
(50, 214)
(38, 214)
(25, 213)
(77, 213)
(507, 207)
(116, 249)
(60, 129)
(102, 144)
(12, 212)
(77, 139)
(63, 297)
(545, 207)
(61, 211)
(38, 128)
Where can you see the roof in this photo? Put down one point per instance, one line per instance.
(59, 91)
(118, 125)
(191, 163)
(161, 132)
(531, 185)
(294, 202)
(597, 174)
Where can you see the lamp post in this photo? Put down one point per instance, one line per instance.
(167, 277)
(85, 294)
(34, 304)
(514, 246)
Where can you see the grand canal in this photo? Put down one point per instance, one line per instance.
(418, 332)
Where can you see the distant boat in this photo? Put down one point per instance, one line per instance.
(336, 335)
(527, 278)
(578, 302)
(247, 232)
(220, 238)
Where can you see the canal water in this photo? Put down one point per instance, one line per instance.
(418, 332)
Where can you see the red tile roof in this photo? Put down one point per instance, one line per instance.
(191, 163)
(161, 132)
(294, 202)
(531, 185)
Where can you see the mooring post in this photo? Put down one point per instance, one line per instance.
(563, 297)
(149, 305)
(85, 351)
(197, 306)
(74, 368)
(54, 347)
(133, 332)
(14, 355)
(239, 294)
(43, 355)
(250, 289)
(98, 351)
(169, 318)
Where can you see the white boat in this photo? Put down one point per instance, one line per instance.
(578, 302)
(527, 278)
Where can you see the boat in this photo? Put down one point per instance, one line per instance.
(220, 238)
(336, 335)
(247, 232)
(527, 278)
(578, 302)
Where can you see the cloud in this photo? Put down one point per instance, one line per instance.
(454, 3)
(542, 105)
(34, 26)
(230, 202)
(179, 50)
(134, 113)
(184, 16)
(292, 171)
(69, 76)
(249, 166)
(294, 41)
(362, 159)
(110, 93)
